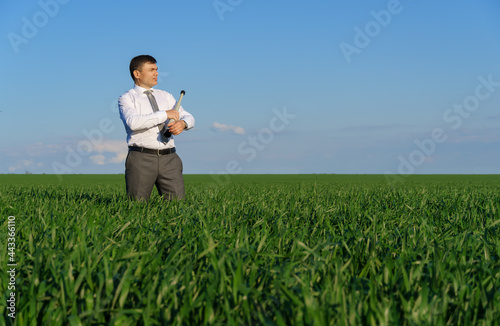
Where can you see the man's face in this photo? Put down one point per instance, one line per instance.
(147, 76)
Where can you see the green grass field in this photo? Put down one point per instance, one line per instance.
(266, 249)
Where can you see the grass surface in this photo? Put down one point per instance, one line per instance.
(266, 249)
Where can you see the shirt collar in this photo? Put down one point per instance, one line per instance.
(141, 90)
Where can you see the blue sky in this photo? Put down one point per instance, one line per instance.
(275, 86)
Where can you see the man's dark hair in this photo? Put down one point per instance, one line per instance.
(137, 62)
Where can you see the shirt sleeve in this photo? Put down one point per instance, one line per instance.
(186, 116)
(133, 119)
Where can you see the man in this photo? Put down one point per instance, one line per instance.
(151, 159)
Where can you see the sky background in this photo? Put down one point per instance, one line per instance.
(275, 86)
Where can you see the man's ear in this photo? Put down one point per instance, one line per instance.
(136, 74)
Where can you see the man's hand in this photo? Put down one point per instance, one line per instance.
(176, 127)
(172, 114)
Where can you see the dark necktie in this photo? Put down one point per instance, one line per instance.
(154, 105)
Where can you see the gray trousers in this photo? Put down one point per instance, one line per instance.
(143, 170)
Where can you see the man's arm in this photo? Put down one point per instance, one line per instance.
(186, 122)
(135, 121)
(187, 117)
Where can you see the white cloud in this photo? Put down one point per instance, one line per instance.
(118, 149)
(223, 127)
(38, 157)
(22, 164)
(98, 159)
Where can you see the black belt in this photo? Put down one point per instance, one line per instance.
(152, 151)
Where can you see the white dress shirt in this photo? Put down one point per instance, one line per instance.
(141, 123)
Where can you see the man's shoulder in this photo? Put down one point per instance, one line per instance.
(130, 92)
(161, 91)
